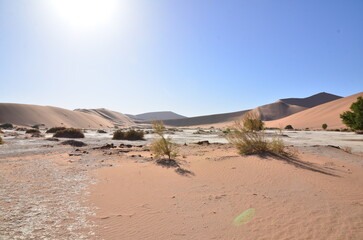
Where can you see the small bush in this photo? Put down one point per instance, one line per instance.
(289, 127)
(69, 133)
(7, 126)
(324, 126)
(74, 143)
(33, 130)
(55, 129)
(129, 135)
(162, 146)
(252, 122)
(249, 141)
(1, 141)
(35, 126)
(101, 131)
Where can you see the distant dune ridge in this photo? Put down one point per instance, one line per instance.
(309, 112)
(28, 115)
(276, 110)
(116, 118)
(328, 113)
(151, 116)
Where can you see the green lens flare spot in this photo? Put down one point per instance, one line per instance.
(245, 217)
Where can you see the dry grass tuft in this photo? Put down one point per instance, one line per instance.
(249, 139)
(162, 146)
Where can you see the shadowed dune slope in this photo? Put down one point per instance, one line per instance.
(28, 115)
(151, 116)
(116, 118)
(328, 113)
(311, 101)
(205, 120)
(277, 110)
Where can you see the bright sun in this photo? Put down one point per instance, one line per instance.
(85, 14)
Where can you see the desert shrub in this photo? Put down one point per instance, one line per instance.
(1, 141)
(74, 143)
(7, 126)
(69, 133)
(55, 129)
(324, 126)
(35, 126)
(101, 131)
(354, 119)
(33, 130)
(128, 135)
(162, 146)
(252, 122)
(249, 141)
(289, 127)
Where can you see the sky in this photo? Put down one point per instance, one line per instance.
(193, 57)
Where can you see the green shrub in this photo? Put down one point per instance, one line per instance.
(354, 119)
(69, 133)
(249, 141)
(7, 126)
(128, 135)
(55, 129)
(162, 146)
(33, 130)
(289, 127)
(324, 126)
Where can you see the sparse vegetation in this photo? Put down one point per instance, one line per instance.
(354, 119)
(1, 141)
(132, 135)
(289, 127)
(162, 146)
(324, 126)
(252, 122)
(69, 133)
(33, 130)
(74, 143)
(249, 140)
(55, 129)
(35, 126)
(101, 131)
(7, 126)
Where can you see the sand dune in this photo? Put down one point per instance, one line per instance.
(277, 110)
(151, 116)
(28, 115)
(314, 117)
(116, 118)
(273, 111)
(205, 120)
(311, 101)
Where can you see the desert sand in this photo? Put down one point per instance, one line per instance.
(313, 118)
(29, 115)
(55, 191)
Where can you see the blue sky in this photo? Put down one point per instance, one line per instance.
(193, 57)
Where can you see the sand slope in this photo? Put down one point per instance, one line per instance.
(116, 118)
(28, 115)
(273, 111)
(311, 101)
(314, 117)
(214, 119)
(164, 115)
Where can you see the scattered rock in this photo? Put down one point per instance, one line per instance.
(135, 155)
(206, 142)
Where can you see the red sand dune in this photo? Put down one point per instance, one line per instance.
(313, 118)
(28, 115)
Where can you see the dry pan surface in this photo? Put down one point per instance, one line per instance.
(119, 193)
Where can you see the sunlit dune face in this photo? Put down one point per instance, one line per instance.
(84, 14)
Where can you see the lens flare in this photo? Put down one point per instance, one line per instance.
(245, 217)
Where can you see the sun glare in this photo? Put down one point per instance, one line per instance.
(85, 14)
